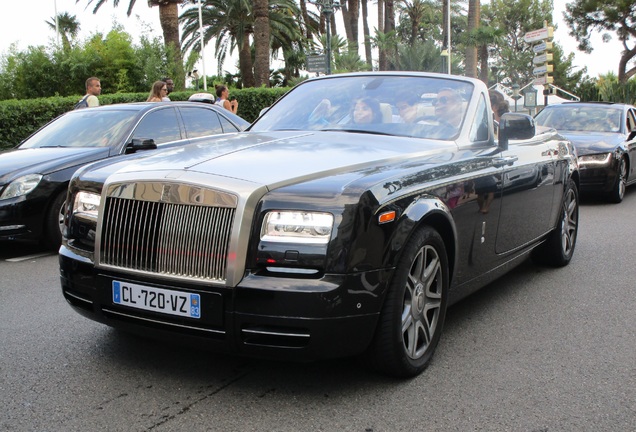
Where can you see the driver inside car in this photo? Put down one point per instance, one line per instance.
(448, 107)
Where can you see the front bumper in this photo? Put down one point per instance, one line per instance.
(22, 218)
(598, 178)
(271, 317)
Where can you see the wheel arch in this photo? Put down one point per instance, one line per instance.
(429, 211)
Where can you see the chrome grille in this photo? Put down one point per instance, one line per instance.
(182, 240)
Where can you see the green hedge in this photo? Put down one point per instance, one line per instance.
(20, 118)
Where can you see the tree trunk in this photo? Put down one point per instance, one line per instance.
(169, 19)
(346, 18)
(389, 26)
(303, 11)
(354, 16)
(365, 31)
(623, 73)
(261, 42)
(474, 12)
(445, 12)
(245, 62)
(382, 57)
(483, 59)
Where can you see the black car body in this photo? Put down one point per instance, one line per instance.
(34, 176)
(306, 238)
(604, 135)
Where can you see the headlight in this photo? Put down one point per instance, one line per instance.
(86, 204)
(21, 186)
(297, 227)
(595, 159)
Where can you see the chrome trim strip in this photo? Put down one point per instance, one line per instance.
(272, 333)
(76, 297)
(135, 317)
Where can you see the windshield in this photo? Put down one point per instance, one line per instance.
(596, 118)
(83, 128)
(422, 107)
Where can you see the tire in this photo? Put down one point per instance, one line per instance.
(413, 314)
(618, 191)
(54, 223)
(558, 248)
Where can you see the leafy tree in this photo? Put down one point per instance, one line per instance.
(618, 16)
(28, 74)
(68, 28)
(121, 66)
(169, 20)
(513, 20)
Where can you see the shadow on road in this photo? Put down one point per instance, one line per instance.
(11, 250)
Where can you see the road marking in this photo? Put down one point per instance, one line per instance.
(28, 257)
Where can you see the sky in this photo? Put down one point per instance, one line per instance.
(24, 24)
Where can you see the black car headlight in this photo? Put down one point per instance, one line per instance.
(21, 186)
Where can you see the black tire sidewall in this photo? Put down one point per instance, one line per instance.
(52, 237)
(389, 351)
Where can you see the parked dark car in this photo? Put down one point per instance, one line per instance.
(604, 135)
(312, 235)
(34, 176)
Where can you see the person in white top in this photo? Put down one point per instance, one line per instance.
(223, 93)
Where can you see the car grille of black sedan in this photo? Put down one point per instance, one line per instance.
(178, 240)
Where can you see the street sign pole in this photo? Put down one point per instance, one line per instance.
(543, 57)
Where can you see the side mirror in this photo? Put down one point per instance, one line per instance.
(141, 144)
(263, 111)
(515, 126)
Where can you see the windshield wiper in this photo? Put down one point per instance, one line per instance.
(363, 131)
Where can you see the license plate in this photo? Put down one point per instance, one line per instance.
(157, 299)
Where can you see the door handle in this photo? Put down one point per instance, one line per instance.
(503, 161)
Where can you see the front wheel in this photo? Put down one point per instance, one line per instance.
(54, 223)
(411, 322)
(558, 248)
(618, 191)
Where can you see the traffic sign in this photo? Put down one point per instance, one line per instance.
(540, 70)
(543, 58)
(543, 46)
(537, 35)
(542, 80)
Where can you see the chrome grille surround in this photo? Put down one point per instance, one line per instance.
(173, 230)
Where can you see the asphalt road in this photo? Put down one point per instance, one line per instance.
(540, 350)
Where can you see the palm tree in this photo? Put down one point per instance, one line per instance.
(231, 22)
(416, 11)
(419, 56)
(169, 20)
(68, 28)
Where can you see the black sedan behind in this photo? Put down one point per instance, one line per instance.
(34, 176)
(604, 135)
